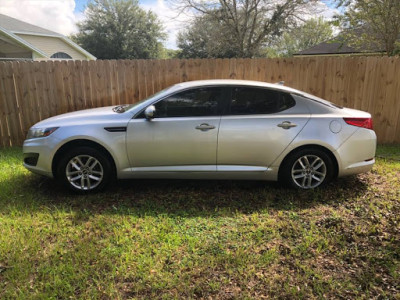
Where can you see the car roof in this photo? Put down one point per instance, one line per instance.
(236, 82)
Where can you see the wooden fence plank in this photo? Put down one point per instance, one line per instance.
(359, 96)
(108, 98)
(127, 87)
(59, 87)
(120, 69)
(79, 86)
(391, 114)
(47, 69)
(149, 77)
(135, 81)
(29, 69)
(22, 90)
(86, 84)
(4, 112)
(11, 105)
(142, 79)
(94, 82)
(68, 85)
(395, 107)
(41, 104)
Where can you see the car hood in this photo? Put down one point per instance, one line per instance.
(81, 117)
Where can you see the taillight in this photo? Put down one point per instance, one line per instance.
(360, 122)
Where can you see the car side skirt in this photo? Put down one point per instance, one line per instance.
(211, 172)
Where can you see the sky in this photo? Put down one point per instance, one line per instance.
(61, 15)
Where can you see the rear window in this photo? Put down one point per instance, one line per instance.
(251, 101)
(320, 100)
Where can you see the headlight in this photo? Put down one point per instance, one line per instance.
(40, 132)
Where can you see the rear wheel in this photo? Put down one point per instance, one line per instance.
(84, 170)
(307, 169)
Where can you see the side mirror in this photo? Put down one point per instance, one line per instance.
(149, 112)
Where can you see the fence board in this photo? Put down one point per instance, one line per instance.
(47, 69)
(38, 76)
(392, 114)
(4, 124)
(121, 69)
(86, 84)
(23, 95)
(31, 91)
(11, 104)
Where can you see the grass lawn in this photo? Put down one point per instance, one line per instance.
(200, 239)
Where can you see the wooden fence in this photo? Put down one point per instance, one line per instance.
(33, 91)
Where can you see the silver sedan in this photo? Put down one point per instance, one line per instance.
(211, 129)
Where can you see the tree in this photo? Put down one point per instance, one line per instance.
(166, 53)
(206, 37)
(373, 23)
(244, 26)
(120, 29)
(307, 35)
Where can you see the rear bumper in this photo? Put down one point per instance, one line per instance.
(357, 154)
(357, 168)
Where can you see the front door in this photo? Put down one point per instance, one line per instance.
(182, 136)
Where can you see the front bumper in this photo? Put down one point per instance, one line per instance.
(38, 155)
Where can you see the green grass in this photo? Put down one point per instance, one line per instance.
(200, 239)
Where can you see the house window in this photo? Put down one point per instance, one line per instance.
(61, 55)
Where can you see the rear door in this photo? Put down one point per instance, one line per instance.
(258, 125)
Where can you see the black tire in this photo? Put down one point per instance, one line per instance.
(307, 176)
(84, 158)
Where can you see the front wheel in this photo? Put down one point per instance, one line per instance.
(307, 169)
(84, 170)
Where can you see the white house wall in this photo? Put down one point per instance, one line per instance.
(51, 45)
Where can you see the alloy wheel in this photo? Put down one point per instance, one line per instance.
(84, 172)
(309, 171)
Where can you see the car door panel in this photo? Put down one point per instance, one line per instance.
(172, 142)
(255, 140)
(181, 135)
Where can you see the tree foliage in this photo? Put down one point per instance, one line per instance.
(310, 33)
(241, 27)
(120, 29)
(371, 23)
(206, 37)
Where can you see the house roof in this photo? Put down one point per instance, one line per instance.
(335, 47)
(17, 26)
(10, 27)
(338, 45)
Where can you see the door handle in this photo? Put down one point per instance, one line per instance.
(286, 125)
(205, 127)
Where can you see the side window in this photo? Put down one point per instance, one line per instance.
(191, 103)
(251, 101)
